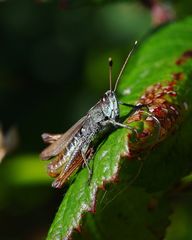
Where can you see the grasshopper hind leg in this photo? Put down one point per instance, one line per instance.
(87, 155)
(81, 158)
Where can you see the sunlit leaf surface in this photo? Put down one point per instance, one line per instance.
(141, 211)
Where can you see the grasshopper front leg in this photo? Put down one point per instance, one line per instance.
(85, 160)
(118, 124)
(146, 110)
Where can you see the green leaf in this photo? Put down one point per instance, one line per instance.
(142, 211)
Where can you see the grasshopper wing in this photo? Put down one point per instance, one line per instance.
(59, 145)
(50, 138)
(64, 175)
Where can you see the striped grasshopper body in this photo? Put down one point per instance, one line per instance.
(75, 147)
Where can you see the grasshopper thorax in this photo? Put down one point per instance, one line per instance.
(110, 105)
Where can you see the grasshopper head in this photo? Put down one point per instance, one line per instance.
(109, 105)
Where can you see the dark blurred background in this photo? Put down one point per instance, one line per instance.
(53, 68)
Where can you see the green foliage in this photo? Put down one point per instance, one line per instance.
(23, 170)
(142, 211)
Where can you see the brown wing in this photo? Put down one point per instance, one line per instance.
(50, 138)
(56, 147)
(64, 175)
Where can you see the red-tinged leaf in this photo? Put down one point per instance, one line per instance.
(158, 75)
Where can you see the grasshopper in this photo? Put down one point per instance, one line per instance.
(75, 147)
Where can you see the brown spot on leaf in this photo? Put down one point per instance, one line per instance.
(78, 228)
(144, 134)
(184, 57)
(161, 118)
(178, 76)
(160, 105)
(115, 179)
(102, 187)
(166, 113)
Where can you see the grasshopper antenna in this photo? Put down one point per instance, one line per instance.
(125, 63)
(110, 72)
